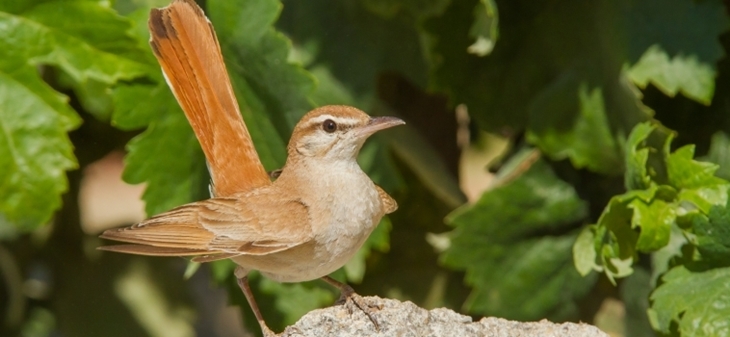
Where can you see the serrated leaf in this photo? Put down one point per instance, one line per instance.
(35, 150)
(661, 260)
(712, 234)
(615, 239)
(492, 238)
(684, 74)
(529, 280)
(588, 142)
(617, 217)
(366, 45)
(655, 220)
(705, 198)
(503, 90)
(49, 33)
(696, 180)
(676, 44)
(696, 300)
(167, 156)
(550, 204)
(637, 177)
(686, 173)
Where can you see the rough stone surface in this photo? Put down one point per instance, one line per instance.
(405, 319)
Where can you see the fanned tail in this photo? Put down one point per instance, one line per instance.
(185, 44)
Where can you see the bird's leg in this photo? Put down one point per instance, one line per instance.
(246, 289)
(347, 294)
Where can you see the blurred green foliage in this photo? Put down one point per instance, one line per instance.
(606, 105)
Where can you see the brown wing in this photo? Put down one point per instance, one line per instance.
(218, 228)
(389, 204)
(185, 44)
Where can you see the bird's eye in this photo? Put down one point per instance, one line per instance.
(329, 126)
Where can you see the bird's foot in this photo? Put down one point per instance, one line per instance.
(349, 298)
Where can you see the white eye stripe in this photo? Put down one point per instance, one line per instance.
(345, 121)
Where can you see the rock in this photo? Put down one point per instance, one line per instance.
(405, 319)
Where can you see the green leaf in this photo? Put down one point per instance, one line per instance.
(712, 234)
(616, 238)
(272, 93)
(529, 280)
(655, 220)
(686, 173)
(98, 47)
(167, 156)
(720, 154)
(364, 44)
(618, 218)
(696, 300)
(674, 44)
(485, 28)
(683, 74)
(504, 90)
(589, 142)
(662, 259)
(35, 151)
(650, 217)
(584, 251)
(696, 180)
(637, 177)
(635, 291)
(493, 241)
(550, 204)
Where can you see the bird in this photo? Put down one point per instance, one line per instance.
(306, 223)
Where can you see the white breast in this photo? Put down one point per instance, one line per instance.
(344, 207)
(351, 204)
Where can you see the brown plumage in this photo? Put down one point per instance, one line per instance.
(306, 224)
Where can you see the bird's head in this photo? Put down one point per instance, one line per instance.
(335, 132)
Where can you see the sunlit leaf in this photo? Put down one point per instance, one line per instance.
(696, 300)
(492, 243)
(35, 151)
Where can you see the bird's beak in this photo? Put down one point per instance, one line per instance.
(376, 124)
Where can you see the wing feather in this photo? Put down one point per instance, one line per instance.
(251, 225)
(389, 204)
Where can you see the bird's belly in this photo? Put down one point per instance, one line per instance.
(333, 244)
(302, 263)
